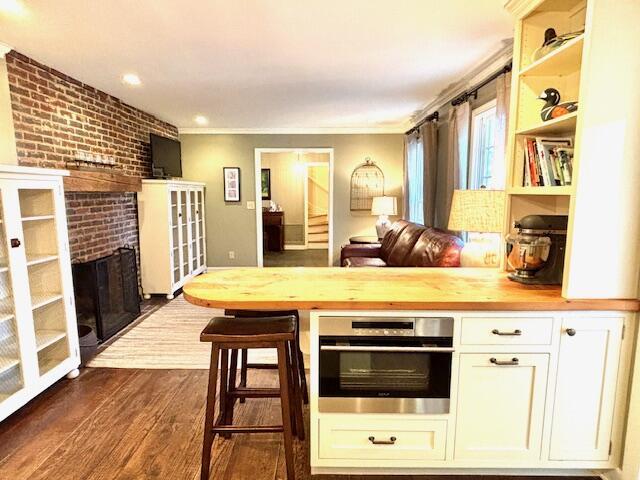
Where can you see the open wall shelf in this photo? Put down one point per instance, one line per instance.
(560, 69)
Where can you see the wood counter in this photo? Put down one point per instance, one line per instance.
(382, 289)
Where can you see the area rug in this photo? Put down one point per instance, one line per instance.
(168, 339)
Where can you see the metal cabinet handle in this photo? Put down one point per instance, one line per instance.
(15, 243)
(571, 332)
(515, 333)
(513, 361)
(391, 441)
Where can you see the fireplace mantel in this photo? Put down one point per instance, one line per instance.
(100, 180)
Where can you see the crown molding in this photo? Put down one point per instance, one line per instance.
(297, 131)
(481, 71)
(4, 49)
(519, 8)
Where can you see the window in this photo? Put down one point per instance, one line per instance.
(484, 171)
(415, 176)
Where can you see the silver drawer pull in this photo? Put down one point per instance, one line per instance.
(513, 361)
(391, 441)
(515, 333)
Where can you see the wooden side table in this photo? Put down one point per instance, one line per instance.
(363, 239)
(273, 230)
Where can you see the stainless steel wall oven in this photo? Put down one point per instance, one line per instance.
(385, 365)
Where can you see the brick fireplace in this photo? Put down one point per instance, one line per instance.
(55, 116)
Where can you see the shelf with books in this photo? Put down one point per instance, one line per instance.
(563, 61)
(564, 125)
(545, 161)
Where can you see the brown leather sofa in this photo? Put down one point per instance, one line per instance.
(406, 244)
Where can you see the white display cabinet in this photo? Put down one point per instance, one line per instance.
(38, 330)
(172, 234)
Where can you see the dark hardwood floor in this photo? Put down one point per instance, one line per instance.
(140, 424)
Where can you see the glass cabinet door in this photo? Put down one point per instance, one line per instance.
(11, 373)
(200, 228)
(193, 234)
(41, 247)
(175, 236)
(184, 233)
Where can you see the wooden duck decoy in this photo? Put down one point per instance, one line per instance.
(553, 108)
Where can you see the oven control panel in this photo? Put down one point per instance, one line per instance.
(386, 326)
(383, 332)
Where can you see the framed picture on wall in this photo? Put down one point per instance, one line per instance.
(266, 183)
(231, 184)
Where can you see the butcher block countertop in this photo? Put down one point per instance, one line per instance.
(381, 289)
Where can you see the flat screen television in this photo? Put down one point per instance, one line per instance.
(166, 157)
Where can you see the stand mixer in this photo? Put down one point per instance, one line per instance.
(536, 252)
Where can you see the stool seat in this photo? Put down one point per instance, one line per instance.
(230, 330)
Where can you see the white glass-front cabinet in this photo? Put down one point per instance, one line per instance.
(172, 234)
(38, 332)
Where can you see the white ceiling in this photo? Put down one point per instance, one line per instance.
(265, 64)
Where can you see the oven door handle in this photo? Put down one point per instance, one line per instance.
(360, 348)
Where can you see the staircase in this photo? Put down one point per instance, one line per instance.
(318, 235)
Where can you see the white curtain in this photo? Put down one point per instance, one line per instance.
(414, 175)
(503, 94)
(458, 155)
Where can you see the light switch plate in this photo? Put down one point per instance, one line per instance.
(251, 205)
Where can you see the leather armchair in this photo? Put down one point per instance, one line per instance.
(406, 244)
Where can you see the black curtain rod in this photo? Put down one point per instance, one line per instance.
(463, 97)
(473, 92)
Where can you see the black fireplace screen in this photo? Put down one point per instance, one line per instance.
(106, 292)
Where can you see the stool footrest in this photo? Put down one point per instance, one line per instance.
(263, 366)
(241, 392)
(248, 429)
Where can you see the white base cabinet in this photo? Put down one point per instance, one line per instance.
(501, 400)
(38, 331)
(173, 243)
(587, 377)
(529, 390)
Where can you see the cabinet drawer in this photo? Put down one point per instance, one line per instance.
(506, 331)
(404, 439)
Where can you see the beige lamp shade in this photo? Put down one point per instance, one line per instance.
(477, 211)
(384, 206)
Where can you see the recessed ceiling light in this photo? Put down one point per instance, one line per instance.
(131, 79)
(201, 120)
(13, 7)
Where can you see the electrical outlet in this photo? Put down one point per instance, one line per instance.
(232, 255)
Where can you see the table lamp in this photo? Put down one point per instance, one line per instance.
(480, 212)
(383, 207)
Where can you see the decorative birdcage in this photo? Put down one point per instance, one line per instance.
(367, 181)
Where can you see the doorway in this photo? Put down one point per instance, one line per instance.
(294, 203)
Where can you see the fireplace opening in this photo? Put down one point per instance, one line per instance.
(106, 292)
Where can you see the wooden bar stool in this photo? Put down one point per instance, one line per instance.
(244, 355)
(233, 334)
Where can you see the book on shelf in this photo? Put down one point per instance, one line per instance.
(548, 161)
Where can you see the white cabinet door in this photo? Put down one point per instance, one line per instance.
(200, 244)
(193, 234)
(585, 388)
(174, 225)
(16, 345)
(183, 232)
(501, 406)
